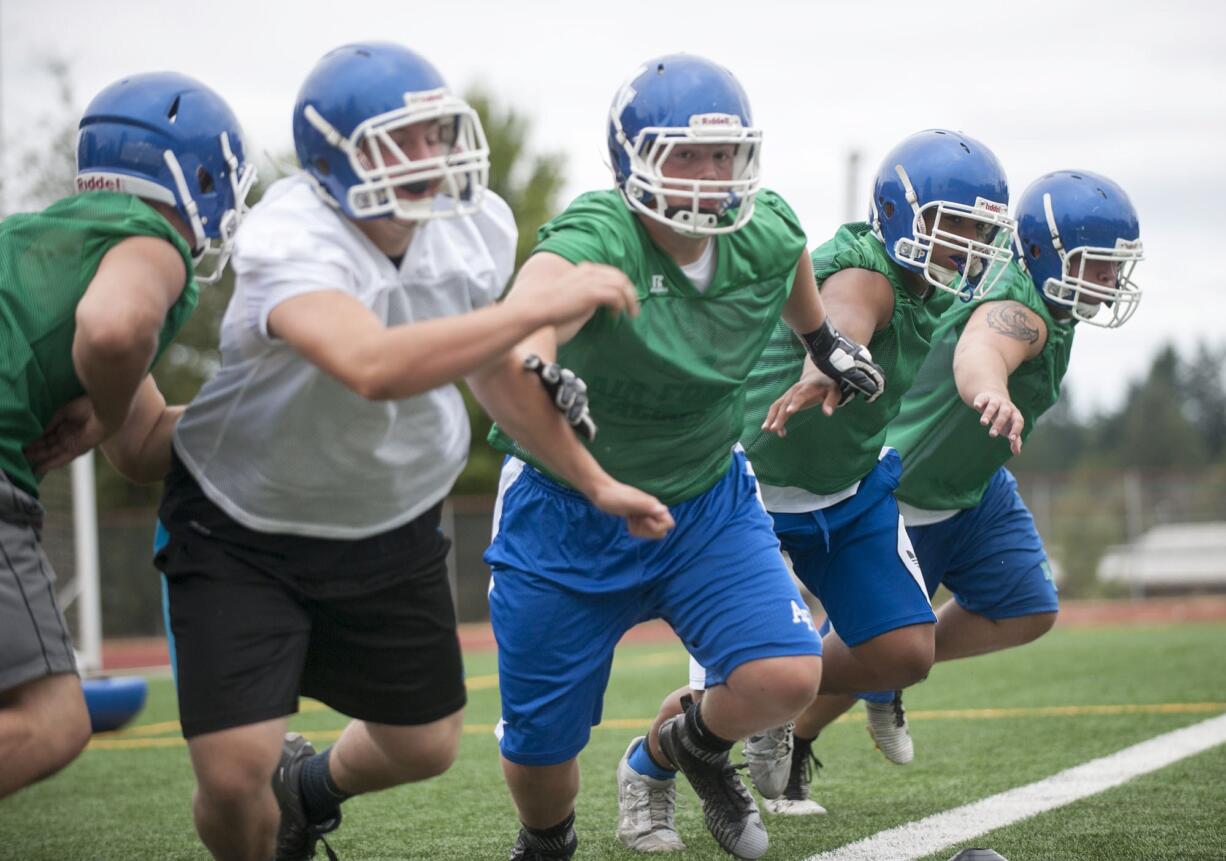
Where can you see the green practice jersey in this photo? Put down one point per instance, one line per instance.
(948, 457)
(825, 454)
(47, 259)
(667, 388)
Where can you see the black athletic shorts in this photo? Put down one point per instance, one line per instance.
(366, 626)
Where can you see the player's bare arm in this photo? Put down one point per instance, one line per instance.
(515, 399)
(342, 336)
(118, 322)
(140, 451)
(858, 303)
(997, 339)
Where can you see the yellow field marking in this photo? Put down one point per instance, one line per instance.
(137, 736)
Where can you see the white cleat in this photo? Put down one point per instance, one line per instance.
(795, 800)
(769, 757)
(887, 724)
(645, 808)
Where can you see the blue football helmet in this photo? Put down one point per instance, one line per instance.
(927, 181)
(682, 99)
(1067, 220)
(347, 121)
(166, 137)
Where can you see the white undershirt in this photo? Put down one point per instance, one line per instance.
(700, 271)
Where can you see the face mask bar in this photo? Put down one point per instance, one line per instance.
(647, 188)
(461, 173)
(212, 254)
(980, 261)
(1084, 298)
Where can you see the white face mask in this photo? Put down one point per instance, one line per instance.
(459, 170)
(982, 260)
(705, 201)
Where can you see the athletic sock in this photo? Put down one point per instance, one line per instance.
(642, 762)
(321, 797)
(701, 735)
(556, 838)
(879, 697)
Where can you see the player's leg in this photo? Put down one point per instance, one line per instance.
(233, 806)
(1004, 595)
(963, 634)
(43, 720)
(43, 726)
(384, 650)
(566, 584)
(857, 559)
(760, 651)
(240, 640)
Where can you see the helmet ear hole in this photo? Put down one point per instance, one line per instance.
(887, 207)
(321, 164)
(1035, 250)
(205, 180)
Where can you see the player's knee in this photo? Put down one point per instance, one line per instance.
(1036, 625)
(793, 682)
(232, 781)
(73, 731)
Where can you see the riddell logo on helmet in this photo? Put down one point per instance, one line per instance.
(715, 120)
(99, 182)
(991, 206)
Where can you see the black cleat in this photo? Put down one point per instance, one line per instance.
(795, 800)
(530, 847)
(727, 807)
(297, 835)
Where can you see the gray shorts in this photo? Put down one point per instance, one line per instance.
(34, 638)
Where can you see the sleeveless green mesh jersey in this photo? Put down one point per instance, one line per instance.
(667, 388)
(47, 259)
(822, 454)
(948, 457)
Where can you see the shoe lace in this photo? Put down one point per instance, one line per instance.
(805, 766)
(900, 713)
(660, 803)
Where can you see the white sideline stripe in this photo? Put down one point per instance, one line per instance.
(918, 839)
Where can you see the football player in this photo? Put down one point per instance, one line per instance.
(939, 229)
(303, 554)
(717, 261)
(995, 367)
(93, 290)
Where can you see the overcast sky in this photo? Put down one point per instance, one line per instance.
(1134, 91)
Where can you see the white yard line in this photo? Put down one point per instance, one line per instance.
(918, 839)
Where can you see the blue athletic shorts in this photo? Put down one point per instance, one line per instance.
(856, 558)
(569, 580)
(990, 557)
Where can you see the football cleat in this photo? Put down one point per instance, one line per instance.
(769, 758)
(730, 813)
(530, 847)
(296, 834)
(795, 800)
(887, 724)
(645, 808)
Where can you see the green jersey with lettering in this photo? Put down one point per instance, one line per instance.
(667, 388)
(948, 457)
(825, 454)
(47, 259)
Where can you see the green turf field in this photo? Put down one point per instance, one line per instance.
(128, 796)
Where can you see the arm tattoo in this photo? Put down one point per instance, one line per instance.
(1012, 321)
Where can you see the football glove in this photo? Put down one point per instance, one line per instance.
(568, 393)
(846, 362)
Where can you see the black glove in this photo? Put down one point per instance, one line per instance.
(568, 393)
(845, 362)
